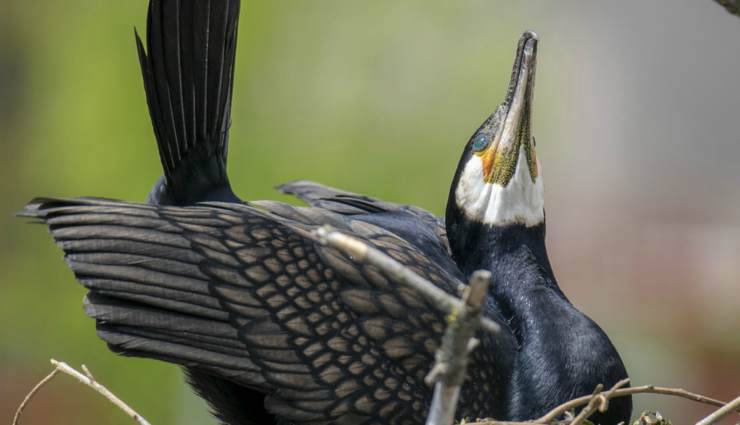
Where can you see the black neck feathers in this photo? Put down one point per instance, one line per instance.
(562, 353)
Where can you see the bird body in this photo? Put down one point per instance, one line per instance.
(561, 352)
(273, 327)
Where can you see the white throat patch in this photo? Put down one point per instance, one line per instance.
(520, 202)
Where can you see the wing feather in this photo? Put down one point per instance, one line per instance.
(241, 292)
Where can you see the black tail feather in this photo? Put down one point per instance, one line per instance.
(188, 71)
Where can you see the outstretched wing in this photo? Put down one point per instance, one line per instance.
(244, 294)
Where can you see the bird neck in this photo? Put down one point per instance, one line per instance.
(561, 351)
(517, 258)
(523, 287)
(515, 254)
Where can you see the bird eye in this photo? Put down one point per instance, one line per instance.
(480, 142)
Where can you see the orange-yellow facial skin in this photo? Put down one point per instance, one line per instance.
(499, 163)
(492, 159)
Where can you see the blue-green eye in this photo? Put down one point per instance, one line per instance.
(480, 142)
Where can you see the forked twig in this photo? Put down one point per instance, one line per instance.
(644, 389)
(599, 401)
(86, 379)
(29, 396)
(448, 372)
(401, 274)
(557, 412)
(450, 367)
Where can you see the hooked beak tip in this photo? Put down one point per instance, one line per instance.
(522, 76)
(530, 35)
(529, 42)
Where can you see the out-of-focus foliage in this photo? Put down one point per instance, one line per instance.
(732, 6)
(637, 145)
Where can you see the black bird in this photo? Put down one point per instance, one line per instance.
(495, 220)
(271, 326)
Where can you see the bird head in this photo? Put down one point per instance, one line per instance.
(498, 180)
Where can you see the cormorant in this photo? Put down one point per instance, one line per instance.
(495, 220)
(271, 326)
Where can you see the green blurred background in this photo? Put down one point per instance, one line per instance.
(636, 118)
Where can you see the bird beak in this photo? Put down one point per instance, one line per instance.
(513, 135)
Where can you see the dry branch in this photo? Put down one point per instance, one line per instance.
(86, 379)
(555, 413)
(599, 401)
(720, 413)
(451, 365)
(29, 396)
(401, 274)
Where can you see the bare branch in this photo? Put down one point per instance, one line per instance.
(725, 410)
(86, 379)
(599, 401)
(87, 372)
(645, 389)
(29, 396)
(362, 252)
(452, 358)
(100, 389)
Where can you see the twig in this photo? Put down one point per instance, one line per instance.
(645, 389)
(590, 407)
(721, 413)
(87, 372)
(448, 373)
(449, 370)
(362, 252)
(29, 396)
(599, 401)
(86, 379)
(649, 389)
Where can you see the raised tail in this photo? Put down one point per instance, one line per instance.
(188, 71)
